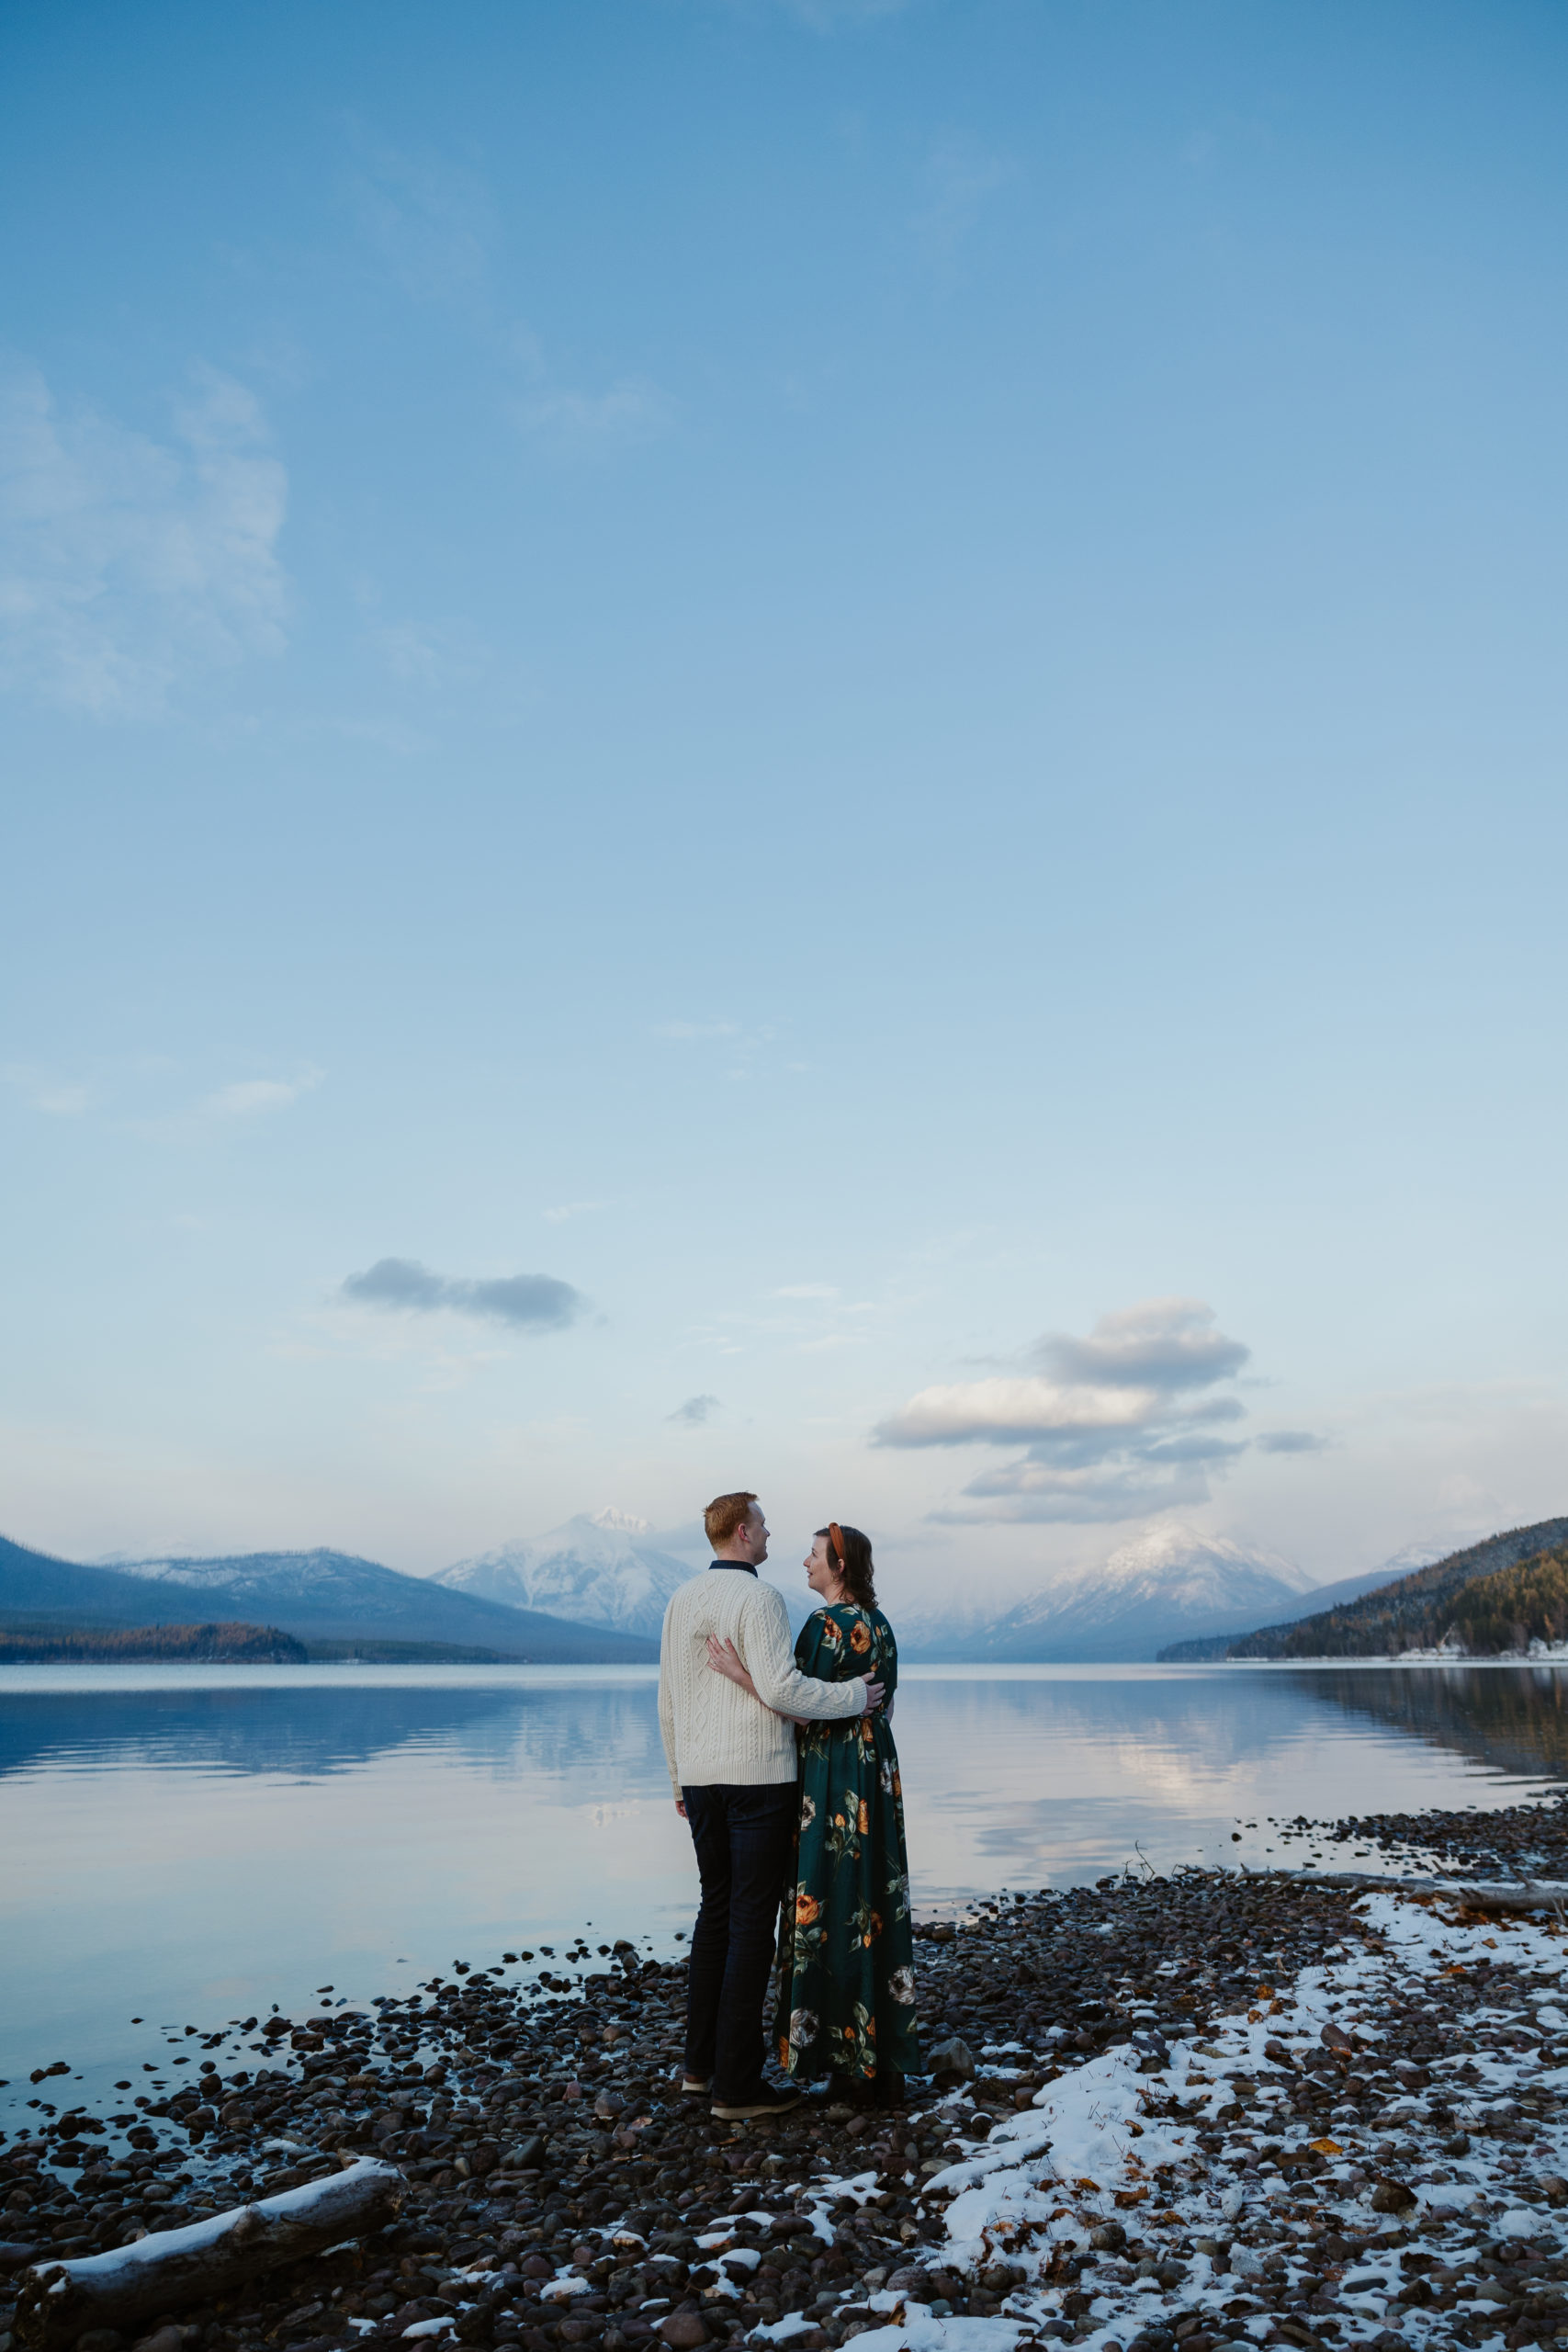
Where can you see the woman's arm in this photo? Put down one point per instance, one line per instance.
(724, 1658)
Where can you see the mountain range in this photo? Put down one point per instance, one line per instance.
(594, 1591)
(322, 1598)
(611, 1569)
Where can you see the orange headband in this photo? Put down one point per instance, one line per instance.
(836, 1537)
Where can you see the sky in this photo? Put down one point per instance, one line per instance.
(811, 747)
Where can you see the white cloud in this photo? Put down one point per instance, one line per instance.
(683, 1032)
(807, 1289)
(569, 1209)
(430, 222)
(252, 1098)
(1001, 1412)
(46, 1094)
(1126, 1420)
(129, 567)
(1160, 1343)
(430, 654)
(584, 423)
(960, 178)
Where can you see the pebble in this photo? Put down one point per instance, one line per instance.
(546, 2145)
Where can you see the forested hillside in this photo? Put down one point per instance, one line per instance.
(126, 1644)
(1481, 1595)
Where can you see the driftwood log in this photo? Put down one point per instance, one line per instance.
(58, 2300)
(1476, 1894)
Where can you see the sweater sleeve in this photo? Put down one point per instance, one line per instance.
(764, 1647)
(667, 1706)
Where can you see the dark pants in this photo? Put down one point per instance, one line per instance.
(744, 1839)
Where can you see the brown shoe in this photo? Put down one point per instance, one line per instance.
(765, 2100)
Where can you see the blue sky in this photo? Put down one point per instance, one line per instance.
(725, 723)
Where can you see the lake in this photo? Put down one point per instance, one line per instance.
(185, 1845)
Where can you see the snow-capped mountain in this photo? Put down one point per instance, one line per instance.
(1169, 1584)
(598, 1570)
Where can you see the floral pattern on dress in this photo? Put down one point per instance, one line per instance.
(846, 1950)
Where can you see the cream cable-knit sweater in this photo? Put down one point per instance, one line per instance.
(713, 1729)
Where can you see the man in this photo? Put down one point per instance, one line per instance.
(731, 1760)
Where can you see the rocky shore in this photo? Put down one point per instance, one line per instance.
(1202, 2110)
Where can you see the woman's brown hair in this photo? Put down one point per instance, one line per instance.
(852, 1549)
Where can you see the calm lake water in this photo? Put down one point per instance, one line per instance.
(185, 1845)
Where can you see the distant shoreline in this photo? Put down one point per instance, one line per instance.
(415, 1658)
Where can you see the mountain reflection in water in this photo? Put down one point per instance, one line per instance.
(300, 1731)
(189, 1845)
(1514, 1717)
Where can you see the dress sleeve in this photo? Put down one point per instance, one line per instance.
(887, 1670)
(808, 1646)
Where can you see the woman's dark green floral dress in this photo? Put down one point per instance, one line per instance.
(846, 1951)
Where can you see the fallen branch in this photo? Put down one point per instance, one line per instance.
(58, 2300)
(1476, 1894)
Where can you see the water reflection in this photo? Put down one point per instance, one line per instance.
(302, 1730)
(1188, 1728)
(1059, 1779)
(1514, 1717)
(190, 1845)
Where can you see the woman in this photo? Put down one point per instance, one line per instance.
(846, 1951)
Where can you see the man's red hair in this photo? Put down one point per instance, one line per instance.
(725, 1516)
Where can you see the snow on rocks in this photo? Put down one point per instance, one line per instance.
(1280, 2234)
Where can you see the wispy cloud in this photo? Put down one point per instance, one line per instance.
(579, 423)
(429, 222)
(586, 423)
(430, 654)
(741, 1046)
(569, 1209)
(695, 1413)
(526, 1302)
(1289, 1442)
(1122, 1421)
(46, 1094)
(806, 1290)
(1101, 1496)
(255, 1098)
(129, 567)
(962, 179)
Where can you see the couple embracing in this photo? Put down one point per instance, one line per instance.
(785, 1769)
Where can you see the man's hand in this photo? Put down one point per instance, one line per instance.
(680, 1809)
(875, 1694)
